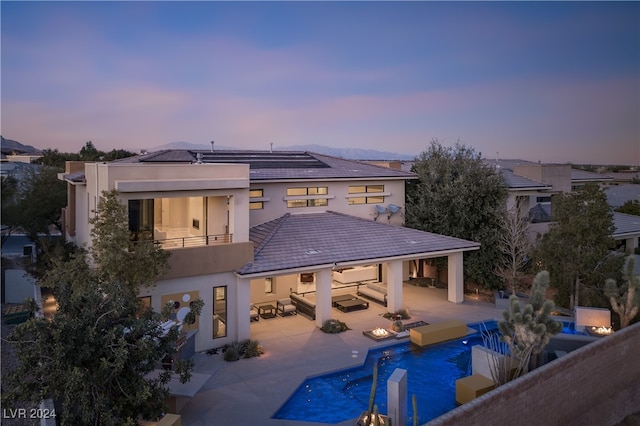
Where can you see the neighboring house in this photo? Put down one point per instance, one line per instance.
(627, 230)
(625, 177)
(617, 195)
(254, 227)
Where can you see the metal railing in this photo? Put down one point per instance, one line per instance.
(195, 241)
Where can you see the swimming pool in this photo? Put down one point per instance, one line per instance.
(431, 376)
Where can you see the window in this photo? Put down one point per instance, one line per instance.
(543, 199)
(219, 312)
(307, 193)
(141, 218)
(366, 189)
(268, 285)
(256, 193)
(307, 278)
(321, 190)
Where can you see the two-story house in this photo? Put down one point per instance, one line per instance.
(247, 227)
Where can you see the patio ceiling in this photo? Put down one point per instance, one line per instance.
(312, 240)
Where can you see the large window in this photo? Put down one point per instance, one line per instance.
(253, 194)
(141, 218)
(365, 190)
(309, 197)
(219, 312)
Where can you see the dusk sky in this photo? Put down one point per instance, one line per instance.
(540, 81)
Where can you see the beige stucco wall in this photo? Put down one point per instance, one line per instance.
(276, 206)
(203, 285)
(556, 175)
(140, 181)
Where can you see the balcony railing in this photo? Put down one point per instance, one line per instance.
(197, 241)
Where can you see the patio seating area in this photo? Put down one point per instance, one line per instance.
(295, 349)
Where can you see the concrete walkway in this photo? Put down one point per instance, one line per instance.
(250, 391)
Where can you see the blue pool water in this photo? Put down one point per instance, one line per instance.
(432, 373)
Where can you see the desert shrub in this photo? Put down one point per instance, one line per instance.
(252, 348)
(333, 326)
(402, 314)
(232, 352)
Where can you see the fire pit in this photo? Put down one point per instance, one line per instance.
(599, 331)
(379, 334)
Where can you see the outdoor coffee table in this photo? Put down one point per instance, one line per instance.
(352, 305)
(267, 311)
(341, 298)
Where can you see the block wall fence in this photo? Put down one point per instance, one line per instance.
(598, 384)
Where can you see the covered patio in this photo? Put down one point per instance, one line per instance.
(325, 243)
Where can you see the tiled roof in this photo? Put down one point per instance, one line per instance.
(617, 195)
(625, 224)
(307, 240)
(582, 175)
(75, 177)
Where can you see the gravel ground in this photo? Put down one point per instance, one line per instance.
(9, 362)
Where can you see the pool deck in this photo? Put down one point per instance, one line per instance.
(250, 391)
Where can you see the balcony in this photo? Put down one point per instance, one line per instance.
(194, 241)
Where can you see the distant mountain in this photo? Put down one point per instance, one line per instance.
(8, 146)
(188, 145)
(349, 153)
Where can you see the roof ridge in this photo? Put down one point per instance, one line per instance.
(273, 232)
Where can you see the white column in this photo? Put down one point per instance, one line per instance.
(243, 301)
(631, 244)
(394, 286)
(397, 397)
(456, 278)
(323, 296)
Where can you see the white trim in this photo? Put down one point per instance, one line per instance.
(180, 184)
(308, 197)
(354, 263)
(369, 194)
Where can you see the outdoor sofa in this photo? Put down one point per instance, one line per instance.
(374, 291)
(304, 305)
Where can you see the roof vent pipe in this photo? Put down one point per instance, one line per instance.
(271, 149)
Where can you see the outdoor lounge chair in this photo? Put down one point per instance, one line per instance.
(254, 315)
(285, 307)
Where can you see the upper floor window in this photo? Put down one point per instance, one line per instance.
(253, 194)
(376, 196)
(309, 197)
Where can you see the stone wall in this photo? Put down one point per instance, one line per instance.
(598, 384)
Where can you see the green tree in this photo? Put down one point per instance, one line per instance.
(527, 331)
(625, 298)
(97, 355)
(42, 198)
(10, 206)
(577, 247)
(457, 194)
(55, 158)
(630, 207)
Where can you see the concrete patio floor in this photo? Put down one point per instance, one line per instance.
(250, 391)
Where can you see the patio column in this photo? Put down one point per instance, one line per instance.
(631, 244)
(243, 300)
(323, 296)
(456, 278)
(394, 286)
